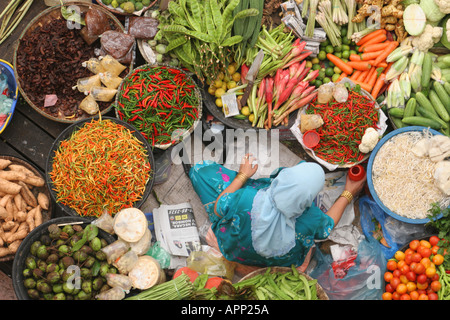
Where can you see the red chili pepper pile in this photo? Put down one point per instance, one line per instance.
(343, 128)
(157, 100)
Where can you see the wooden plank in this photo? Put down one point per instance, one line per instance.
(28, 139)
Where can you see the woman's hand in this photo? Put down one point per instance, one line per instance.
(247, 167)
(355, 187)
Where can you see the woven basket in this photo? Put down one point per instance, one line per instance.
(46, 214)
(321, 294)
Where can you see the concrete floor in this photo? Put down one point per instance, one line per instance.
(178, 189)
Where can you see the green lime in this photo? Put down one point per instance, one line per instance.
(329, 72)
(337, 70)
(335, 77)
(344, 32)
(346, 41)
(329, 49)
(321, 75)
(316, 66)
(121, 1)
(357, 48)
(331, 64)
(326, 80)
(345, 47)
(139, 6)
(114, 3)
(353, 52)
(128, 7)
(345, 54)
(325, 43)
(338, 49)
(322, 55)
(338, 54)
(318, 83)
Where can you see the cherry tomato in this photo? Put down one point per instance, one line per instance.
(414, 295)
(409, 251)
(416, 257)
(405, 269)
(395, 282)
(411, 286)
(388, 276)
(420, 268)
(423, 296)
(435, 286)
(421, 279)
(422, 286)
(399, 255)
(400, 264)
(426, 252)
(433, 296)
(397, 273)
(434, 240)
(426, 262)
(411, 276)
(435, 277)
(387, 296)
(388, 288)
(434, 250)
(392, 265)
(408, 258)
(414, 244)
(430, 272)
(395, 295)
(405, 296)
(425, 243)
(438, 259)
(403, 279)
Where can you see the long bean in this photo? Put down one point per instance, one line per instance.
(176, 289)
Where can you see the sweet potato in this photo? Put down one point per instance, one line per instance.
(20, 216)
(3, 213)
(30, 220)
(21, 168)
(4, 163)
(27, 194)
(14, 246)
(37, 216)
(18, 235)
(9, 225)
(10, 209)
(5, 199)
(11, 175)
(20, 203)
(43, 200)
(9, 187)
(34, 180)
(4, 252)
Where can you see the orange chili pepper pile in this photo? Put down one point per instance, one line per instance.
(102, 166)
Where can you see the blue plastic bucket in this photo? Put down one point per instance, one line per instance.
(7, 69)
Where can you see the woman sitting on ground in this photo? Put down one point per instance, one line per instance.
(267, 221)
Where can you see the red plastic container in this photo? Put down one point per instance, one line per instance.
(311, 138)
(357, 172)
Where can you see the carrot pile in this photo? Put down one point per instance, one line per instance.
(368, 68)
(102, 166)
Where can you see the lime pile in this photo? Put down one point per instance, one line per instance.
(129, 6)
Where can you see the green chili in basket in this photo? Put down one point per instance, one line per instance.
(157, 100)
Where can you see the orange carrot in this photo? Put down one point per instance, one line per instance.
(378, 39)
(387, 66)
(213, 282)
(370, 55)
(369, 36)
(355, 75)
(192, 274)
(375, 46)
(354, 57)
(362, 76)
(342, 76)
(360, 65)
(363, 85)
(339, 63)
(372, 77)
(383, 64)
(378, 85)
(391, 47)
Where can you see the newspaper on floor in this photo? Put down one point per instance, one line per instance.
(176, 230)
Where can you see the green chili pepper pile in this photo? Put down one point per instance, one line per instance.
(157, 100)
(280, 286)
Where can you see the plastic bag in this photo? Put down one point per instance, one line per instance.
(210, 263)
(115, 250)
(159, 254)
(87, 83)
(96, 22)
(118, 44)
(126, 262)
(116, 293)
(143, 27)
(363, 280)
(395, 232)
(143, 245)
(119, 280)
(103, 94)
(89, 105)
(109, 80)
(105, 222)
(111, 65)
(94, 65)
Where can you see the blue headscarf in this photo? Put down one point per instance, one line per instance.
(276, 208)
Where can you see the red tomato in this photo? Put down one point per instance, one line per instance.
(392, 265)
(399, 255)
(397, 273)
(400, 264)
(405, 296)
(435, 286)
(403, 279)
(414, 295)
(430, 272)
(422, 278)
(434, 250)
(409, 251)
(425, 243)
(411, 276)
(433, 296)
(434, 240)
(425, 252)
(388, 276)
(408, 258)
(414, 244)
(422, 286)
(435, 277)
(405, 269)
(395, 296)
(420, 268)
(401, 288)
(426, 262)
(411, 286)
(416, 257)
(423, 296)
(395, 282)
(388, 288)
(438, 259)
(387, 296)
